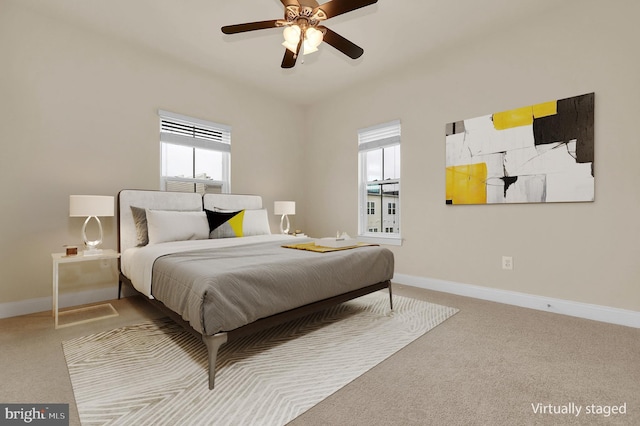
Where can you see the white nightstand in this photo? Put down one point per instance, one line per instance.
(105, 310)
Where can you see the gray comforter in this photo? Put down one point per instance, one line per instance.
(223, 289)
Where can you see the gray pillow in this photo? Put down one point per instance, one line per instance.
(140, 220)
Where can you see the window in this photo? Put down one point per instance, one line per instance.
(195, 154)
(379, 182)
(371, 207)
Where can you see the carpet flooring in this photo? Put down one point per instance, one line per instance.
(155, 373)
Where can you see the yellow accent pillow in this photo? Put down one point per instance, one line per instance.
(236, 223)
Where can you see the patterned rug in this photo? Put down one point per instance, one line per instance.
(155, 373)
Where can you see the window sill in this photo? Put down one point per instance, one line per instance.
(391, 241)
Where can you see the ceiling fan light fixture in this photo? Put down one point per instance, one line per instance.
(289, 46)
(313, 37)
(308, 48)
(291, 37)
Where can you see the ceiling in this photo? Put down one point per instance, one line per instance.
(393, 34)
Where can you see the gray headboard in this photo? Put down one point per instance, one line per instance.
(182, 201)
(159, 200)
(232, 201)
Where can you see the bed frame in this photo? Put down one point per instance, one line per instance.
(189, 201)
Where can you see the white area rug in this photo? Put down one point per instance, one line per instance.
(155, 373)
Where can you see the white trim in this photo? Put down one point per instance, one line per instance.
(379, 131)
(41, 304)
(383, 182)
(559, 306)
(209, 182)
(189, 141)
(376, 137)
(379, 143)
(390, 241)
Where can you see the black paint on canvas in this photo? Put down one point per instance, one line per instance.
(574, 120)
(508, 181)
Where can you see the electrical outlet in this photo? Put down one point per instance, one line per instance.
(507, 262)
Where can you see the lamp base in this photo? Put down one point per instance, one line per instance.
(284, 229)
(92, 251)
(91, 246)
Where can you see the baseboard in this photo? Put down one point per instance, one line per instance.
(560, 306)
(41, 304)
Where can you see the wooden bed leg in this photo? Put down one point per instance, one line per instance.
(390, 296)
(213, 344)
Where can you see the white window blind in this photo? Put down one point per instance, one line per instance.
(182, 130)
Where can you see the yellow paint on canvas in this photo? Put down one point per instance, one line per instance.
(467, 184)
(545, 109)
(523, 116)
(236, 223)
(513, 118)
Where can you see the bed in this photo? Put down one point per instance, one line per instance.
(213, 265)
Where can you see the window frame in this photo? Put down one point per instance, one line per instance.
(375, 138)
(206, 135)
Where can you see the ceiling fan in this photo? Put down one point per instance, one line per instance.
(302, 29)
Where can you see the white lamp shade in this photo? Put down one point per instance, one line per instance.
(314, 37)
(292, 34)
(90, 205)
(284, 207)
(290, 46)
(308, 49)
(291, 37)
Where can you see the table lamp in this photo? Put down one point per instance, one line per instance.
(91, 206)
(284, 208)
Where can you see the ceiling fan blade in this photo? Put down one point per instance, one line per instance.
(338, 7)
(342, 44)
(289, 60)
(250, 26)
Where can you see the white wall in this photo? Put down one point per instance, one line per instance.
(584, 252)
(78, 115)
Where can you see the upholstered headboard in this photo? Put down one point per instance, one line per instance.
(232, 201)
(178, 201)
(158, 200)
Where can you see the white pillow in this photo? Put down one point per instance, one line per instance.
(256, 222)
(167, 225)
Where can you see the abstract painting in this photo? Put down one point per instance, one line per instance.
(541, 153)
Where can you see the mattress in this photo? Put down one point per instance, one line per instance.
(222, 284)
